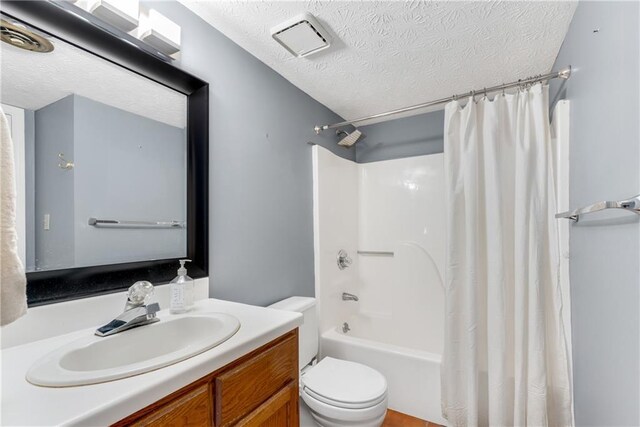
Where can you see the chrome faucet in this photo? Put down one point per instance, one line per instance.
(343, 259)
(346, 296)
(136, 311)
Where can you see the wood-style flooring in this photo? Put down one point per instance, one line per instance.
(398, 419)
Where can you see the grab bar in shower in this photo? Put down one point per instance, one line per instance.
(117, 223)
(379, 253)
(631, 205)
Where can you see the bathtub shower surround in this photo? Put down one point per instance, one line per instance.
(392, 213)
(505, 360)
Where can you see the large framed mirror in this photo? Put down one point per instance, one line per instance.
(111, 156)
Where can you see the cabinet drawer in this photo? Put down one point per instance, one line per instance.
(245, 387)
(194, 408)
(281, 410)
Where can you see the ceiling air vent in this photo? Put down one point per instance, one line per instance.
(301, 35)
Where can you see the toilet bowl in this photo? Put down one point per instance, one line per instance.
(338, 393)
(343, 393)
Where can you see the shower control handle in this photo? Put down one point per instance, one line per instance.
(343, 260)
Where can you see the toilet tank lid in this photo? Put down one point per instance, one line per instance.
(296, 304)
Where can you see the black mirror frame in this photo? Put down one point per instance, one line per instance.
(46, 287)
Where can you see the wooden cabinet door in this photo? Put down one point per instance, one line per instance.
(248, 385)
(281, 410)
(192, 409)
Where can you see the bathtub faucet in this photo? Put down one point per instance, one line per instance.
(346, 296)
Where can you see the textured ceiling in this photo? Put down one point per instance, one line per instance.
(32, 80)
(391, 54)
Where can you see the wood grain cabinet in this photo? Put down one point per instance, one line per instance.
(259, 389)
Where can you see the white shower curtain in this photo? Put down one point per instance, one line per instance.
(505, 359)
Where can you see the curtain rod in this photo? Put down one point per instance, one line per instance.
(564, 74)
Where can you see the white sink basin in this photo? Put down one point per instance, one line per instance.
(94, 359)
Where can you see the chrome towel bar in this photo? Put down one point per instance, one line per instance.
(380, 253)
(116, 223)
(631, 205)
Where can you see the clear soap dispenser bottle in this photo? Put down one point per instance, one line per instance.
(181, 289)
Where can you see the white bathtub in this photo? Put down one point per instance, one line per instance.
(413, 375)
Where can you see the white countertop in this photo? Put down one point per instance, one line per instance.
(106, 403)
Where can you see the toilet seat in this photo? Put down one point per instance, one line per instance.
(343, 405)
(344, 384)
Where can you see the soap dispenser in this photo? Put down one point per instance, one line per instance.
(181, 289)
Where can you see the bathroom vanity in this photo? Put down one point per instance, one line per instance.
(259, 389)
(249, 379)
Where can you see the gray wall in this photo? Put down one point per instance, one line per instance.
(54, 196)
(261, 221)
(406, 137)
(29, 188)
(127, 167)
(605, 255)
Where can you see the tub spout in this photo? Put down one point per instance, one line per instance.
(346, 296)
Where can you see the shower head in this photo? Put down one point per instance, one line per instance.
(349, 138)
(23, 38)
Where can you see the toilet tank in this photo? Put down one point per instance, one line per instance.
(308, 331)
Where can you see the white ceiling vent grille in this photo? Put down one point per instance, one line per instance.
(301, 36)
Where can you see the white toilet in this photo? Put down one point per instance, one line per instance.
(338, 392)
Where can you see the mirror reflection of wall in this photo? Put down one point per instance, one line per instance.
(93, 140)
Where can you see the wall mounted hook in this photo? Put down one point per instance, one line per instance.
(64, 163)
